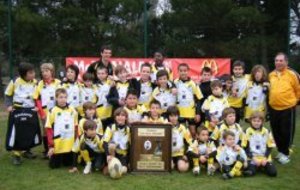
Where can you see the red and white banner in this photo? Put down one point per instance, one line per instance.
(219, 66)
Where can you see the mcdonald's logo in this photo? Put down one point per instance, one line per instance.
(212, 64)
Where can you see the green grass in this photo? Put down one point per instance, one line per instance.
(35, 174)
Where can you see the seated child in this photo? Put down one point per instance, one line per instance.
(135, 111)
(117, 139)
(89, 146)
(89, 110)
(61, 126)
(228, 124)
(154, 114)
(202, 151)
(214, 105)
(258, 143)
(231, 159)
(180, 136)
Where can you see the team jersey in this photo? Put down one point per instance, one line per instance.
(63, 122)
(95, 144)
(119, 137)
(99, 128)
(180, 134)
(46, 94)
(22, 92)
(215, 106)
(145, 93)
(258, 141)
(155, 69)
(73, 91)
(202, 148)
(165, 97)
(149, 119)
(219, 131)
(228, 156)
(256, 95)
(135, 115)
(86, 94)
(104, 109)
(240, 85)
(122, 89)
(188, 94)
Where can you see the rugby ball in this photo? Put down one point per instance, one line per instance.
(115, 168)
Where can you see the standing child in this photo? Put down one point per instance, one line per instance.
(214, 105)
(117, 93)
(145, 85)
(231, 159)
(61, 126)
(103, 86)
(228, 124)
(45, 96)
(72, 86)
(89, 110)
(257, 91)
(188, 98)
(163, 92)
(240, 81)
(117, 139)
(258, 143)
(180, 136)
(135, 111)
(23, 131)
(87, 92)
(154, 114)
(89, 146)
(202, 151)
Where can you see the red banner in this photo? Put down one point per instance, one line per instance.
(219, 66)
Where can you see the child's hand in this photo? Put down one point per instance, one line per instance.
(50, 152)
(73, 170)
(264, 162)
(174, 91)
(257, 162)
(9, 109)
(202, 159)
(108, 158)
(266, 84)
(197, 118)
(237, 148)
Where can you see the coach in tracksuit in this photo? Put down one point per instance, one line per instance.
(283, 98)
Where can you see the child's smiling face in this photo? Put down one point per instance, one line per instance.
(145, 73)
(203, 136)
(121, 119)
(62, 99)
(238, 71)
(131, 101)
(71, 75)
(102, 74)
(230, 119)
(256, 123)
(162, 81)
(46, 74)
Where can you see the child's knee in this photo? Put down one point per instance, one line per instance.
(182, 165)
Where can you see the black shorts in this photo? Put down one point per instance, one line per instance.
(57, 160)
(187, 121)
(123, 159)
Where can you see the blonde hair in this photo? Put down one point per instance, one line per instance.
(48, 66)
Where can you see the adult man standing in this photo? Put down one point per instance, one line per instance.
(106, 53)
(283, 98)
(158, 59)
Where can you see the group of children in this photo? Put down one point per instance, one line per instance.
(89, 122)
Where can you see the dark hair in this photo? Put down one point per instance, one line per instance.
(87, 77)
(238, 63)
(88, 105)
(154, 102)
(89, 124)
(132, 91)
(105, 47)
(227, 111)
(228, 133)
(146, 65)
(262, 69)
(162, 73)
(101, 67)
(183, 65)
(24, 68)
(121, 111)
(206, 70)
(160, 52)
(200, 129)
(216, 83)
(75, 69)
(172, 110)
(60, 91)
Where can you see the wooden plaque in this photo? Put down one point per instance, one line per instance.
(150, 149)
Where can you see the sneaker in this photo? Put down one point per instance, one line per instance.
(247, 173)
(16, 160)
(196, 170)
(29, 155)
(284, 159)
(211, 170)
(87, 168)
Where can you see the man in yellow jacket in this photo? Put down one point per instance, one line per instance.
(283, 98)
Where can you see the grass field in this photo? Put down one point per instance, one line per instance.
(35, 174)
